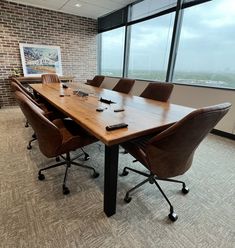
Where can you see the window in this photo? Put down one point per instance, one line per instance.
(149, 48)
(150, 7)
(207, 45)
(112, 49)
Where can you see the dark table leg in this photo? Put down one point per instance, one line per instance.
(110, 179)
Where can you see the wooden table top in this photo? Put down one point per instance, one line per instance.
(143, 116)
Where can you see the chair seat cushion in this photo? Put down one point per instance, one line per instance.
(73, 136)
(137, 148)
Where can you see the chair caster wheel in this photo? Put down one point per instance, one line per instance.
(41, 177)
(86, 157)
(185, 190)
(95, 175)
(57, 159)
(29, 147)
(65, 190)
(173, 216)
(124, 173)
(127, 199)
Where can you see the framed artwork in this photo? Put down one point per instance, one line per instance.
(40, 59)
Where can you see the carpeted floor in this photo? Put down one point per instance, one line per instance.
(36, 214)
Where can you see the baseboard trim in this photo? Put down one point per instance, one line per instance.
(223, 134)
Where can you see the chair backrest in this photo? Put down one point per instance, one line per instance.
(124, 85)
(50, 78)
(170, 153)
(19, 84)
(48, 135)
(158, 91)
(16, 87)
(96, 81)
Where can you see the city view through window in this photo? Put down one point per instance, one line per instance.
(149, 51)
(206, 47)
(112, 52)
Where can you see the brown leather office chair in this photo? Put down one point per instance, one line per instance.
(96, 81)
(24, 89)
(49, 112)
(55, 137)
(16, 86)
(124, 85)
(170, 153)
(158, 91)
(50, 78)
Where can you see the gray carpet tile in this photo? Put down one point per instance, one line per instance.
(36, 214)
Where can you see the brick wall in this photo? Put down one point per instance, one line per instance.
(75, 35)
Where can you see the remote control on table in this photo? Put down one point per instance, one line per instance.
(100, 109)
(118, 110)
(116, 126)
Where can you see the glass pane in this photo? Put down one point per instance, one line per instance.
(149, 48)
(112, 51)
(150, 7)
(207, 45)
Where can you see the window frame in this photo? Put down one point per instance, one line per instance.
(177, 25)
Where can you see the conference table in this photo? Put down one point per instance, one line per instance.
(143, 116)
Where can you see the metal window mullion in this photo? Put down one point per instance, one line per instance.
(126, 52)
(175, 41)
(99, 54)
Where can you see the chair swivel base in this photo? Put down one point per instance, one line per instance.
(68, 162)
(172, 215)
(152, 179)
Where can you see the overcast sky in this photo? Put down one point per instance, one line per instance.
(207, 41)
(208, 37)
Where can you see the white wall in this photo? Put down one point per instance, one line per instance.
(197, 97)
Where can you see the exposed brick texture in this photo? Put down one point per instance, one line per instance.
(75, 35)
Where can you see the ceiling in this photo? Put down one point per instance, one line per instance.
(88, 8)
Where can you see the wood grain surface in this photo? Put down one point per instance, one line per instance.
(143, 116)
